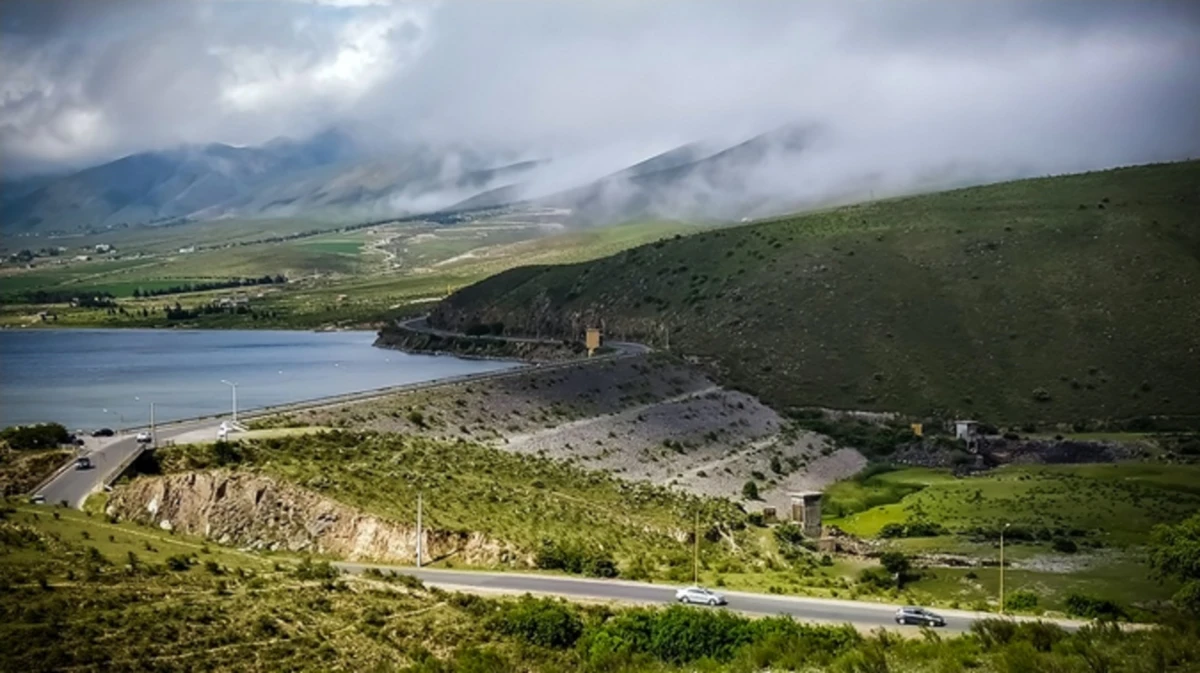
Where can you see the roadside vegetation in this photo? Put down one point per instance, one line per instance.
(1044, 300)
(81, 593)
(29, 454)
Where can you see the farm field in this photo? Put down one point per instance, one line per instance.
(1072, 528)
(357, 277)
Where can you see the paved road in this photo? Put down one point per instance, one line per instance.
(421, 324)
(868, 615)
(109, 460)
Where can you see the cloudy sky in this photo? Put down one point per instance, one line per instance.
(1052, 86)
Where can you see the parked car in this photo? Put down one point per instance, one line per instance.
(83, 463)
(38, 499)
(103, 432)
(919, 617)
(143, 437)
(699, 595)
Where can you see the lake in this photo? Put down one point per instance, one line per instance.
(107, 378)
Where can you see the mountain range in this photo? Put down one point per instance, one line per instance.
(334, 176)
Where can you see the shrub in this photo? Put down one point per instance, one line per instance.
(679, 635)
(1090, 607)
(307, 570)
(997, 633)
(1041, 395)
(575, 559)
(1023, 601)
(892, 530)
(178, 563)
(750, 490)
(1065, 545)
(776, 465)
(39, 436)
(540, 621)
(878, 578)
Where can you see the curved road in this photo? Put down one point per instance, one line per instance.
(866, 615)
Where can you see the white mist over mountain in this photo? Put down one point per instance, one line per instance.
(899, 96)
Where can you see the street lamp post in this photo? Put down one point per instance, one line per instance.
(233, 386)
(120, 417)
(1002, 566)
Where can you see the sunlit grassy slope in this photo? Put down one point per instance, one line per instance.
(1049, 299)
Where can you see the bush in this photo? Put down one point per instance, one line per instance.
(1090, 607)
(31, 437)
(575, 559)
(1065, 545)
(680, 635)
(1023, 601)
(541, 621)
(892, 530)
(750, 490)
(789, 533)
(998, 633)
(307, 570)
(878, 578)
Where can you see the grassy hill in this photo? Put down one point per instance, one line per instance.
(1058, 298)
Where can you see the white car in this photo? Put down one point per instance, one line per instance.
(700, 596)
(143, 437)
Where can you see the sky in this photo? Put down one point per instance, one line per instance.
(1033, 86)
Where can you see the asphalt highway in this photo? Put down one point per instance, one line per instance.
(108, 461)
(865, 615)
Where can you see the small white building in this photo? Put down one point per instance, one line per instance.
(103, 248)
(966, 430)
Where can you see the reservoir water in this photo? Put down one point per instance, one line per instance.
(108, 378)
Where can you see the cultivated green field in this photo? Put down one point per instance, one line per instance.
(1053, 299)
(1072, 528)
(358, 277)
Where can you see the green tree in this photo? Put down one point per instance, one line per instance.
(750, 490)
(1175, 553)
(897, 564)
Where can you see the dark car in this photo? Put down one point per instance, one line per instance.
(103, 432)
(919, 617)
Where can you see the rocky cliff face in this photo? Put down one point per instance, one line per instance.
(259, 512)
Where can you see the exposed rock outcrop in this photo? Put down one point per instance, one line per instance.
(260, 512)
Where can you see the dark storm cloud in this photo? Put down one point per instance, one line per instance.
(899, 88)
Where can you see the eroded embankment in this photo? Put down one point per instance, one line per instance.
(263, 513)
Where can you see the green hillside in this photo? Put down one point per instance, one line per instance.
(1063, 298)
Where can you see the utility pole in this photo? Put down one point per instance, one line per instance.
(419, 550)
(1002, 566)
(696, 551)
(153, 434)
(234, 387)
